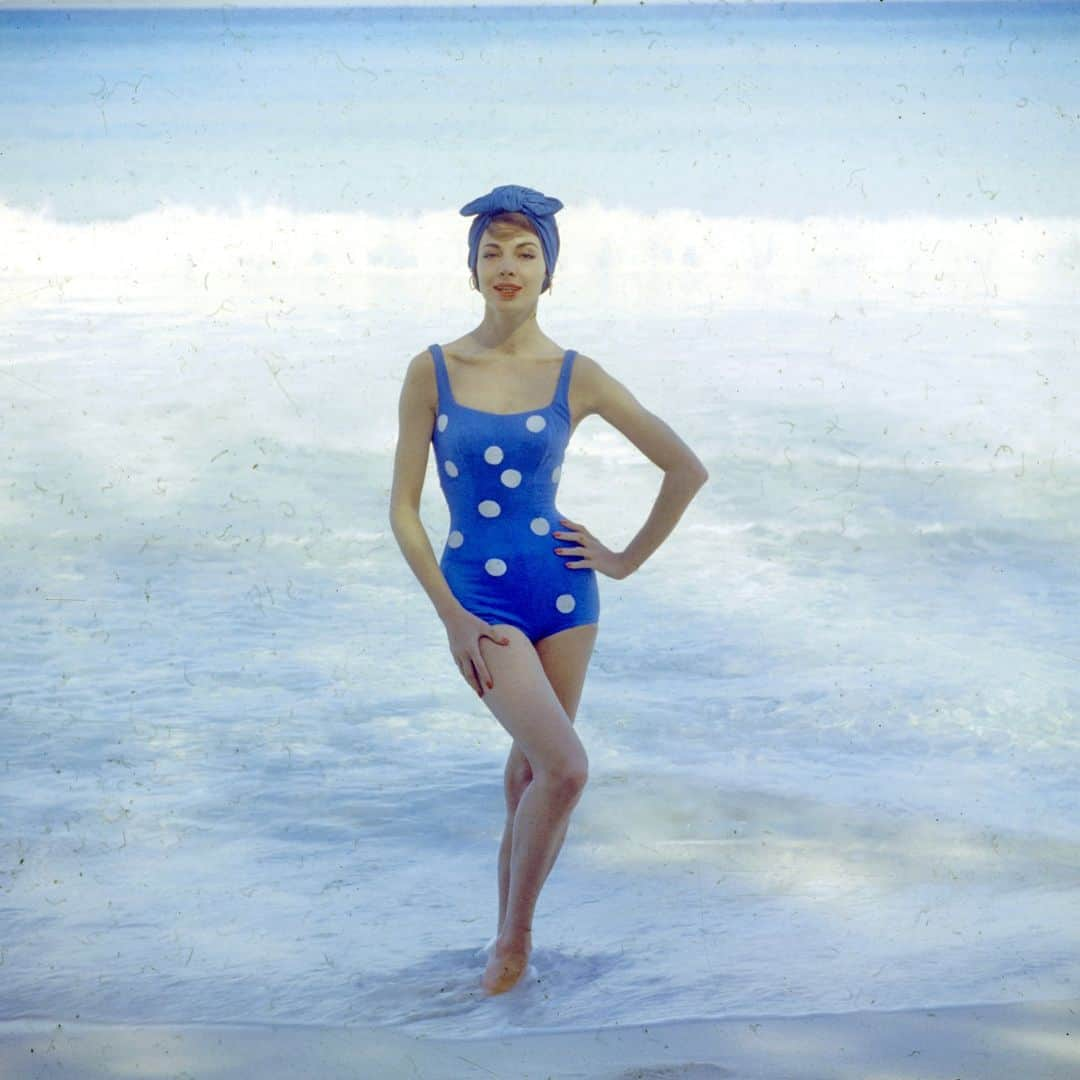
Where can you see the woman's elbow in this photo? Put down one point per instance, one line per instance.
(402, 511)
(694, 468)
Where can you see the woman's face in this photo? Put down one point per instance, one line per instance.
(516, 259)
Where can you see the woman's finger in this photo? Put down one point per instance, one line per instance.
(473, 678)
(482, 671)
(468, 673)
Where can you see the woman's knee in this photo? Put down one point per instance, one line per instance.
(525, 703)
(570, 774)
(578, 776)
(568, 778)
(515, 780)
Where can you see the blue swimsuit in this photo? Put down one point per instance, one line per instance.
(499, 473)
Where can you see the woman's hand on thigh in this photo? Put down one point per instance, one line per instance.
(464, 631)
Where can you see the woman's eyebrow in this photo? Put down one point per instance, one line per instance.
(520, 243)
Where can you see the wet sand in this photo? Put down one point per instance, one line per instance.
(1032, 1040)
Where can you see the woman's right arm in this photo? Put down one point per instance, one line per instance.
(416, 418)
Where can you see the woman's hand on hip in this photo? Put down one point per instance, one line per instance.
(591, 554)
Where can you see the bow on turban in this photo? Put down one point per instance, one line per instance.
(538, 208)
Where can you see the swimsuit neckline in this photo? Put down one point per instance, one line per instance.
(524, 412)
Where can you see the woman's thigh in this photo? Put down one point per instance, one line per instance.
(565, 658)
(525, 703)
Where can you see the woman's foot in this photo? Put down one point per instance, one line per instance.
(507, 962)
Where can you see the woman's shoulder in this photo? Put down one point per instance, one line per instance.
(420, 377)
(421, 374)
(586, 363)
(459, 349)
(587, 380)
(421, 365)
(596, 388)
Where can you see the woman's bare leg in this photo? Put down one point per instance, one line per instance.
(514, 791)
(525, 703)
(506, 846)
(539, 825)
(565, 658)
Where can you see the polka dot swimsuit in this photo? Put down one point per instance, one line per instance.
(499, 473)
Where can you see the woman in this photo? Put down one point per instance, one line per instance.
(516, 583)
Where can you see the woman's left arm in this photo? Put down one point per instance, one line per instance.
(684, 473)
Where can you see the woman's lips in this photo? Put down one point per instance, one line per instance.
(507, 293)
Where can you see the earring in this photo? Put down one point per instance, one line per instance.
(472, 284)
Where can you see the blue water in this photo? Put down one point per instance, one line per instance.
(953, 109)
(833, 720)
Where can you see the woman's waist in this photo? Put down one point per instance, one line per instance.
(528, 533)
(495, 513)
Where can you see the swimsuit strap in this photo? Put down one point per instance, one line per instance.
(562, 391)
(446, 396)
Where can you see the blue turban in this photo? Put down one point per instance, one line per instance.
(539, 209)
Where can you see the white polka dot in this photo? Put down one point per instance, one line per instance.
(450, 467)
(540, 526)
(495, 567)
(510, 477)
(442, 421)
(489, 508)
(493, 455)
(565, 603)
(556, 473)
(455, 539)
(536, 423)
